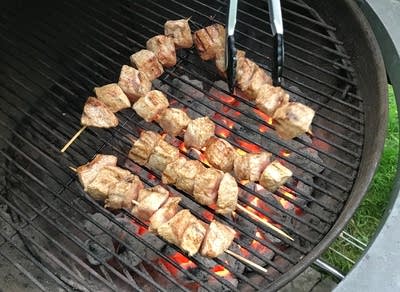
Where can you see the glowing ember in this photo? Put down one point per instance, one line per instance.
(286, 204)
(241, 152)
(321, 145)
(249, 146)
(229, 123)
(209, 216)
(262, 128)
(221, 271)
(284, 153)
(183, 148)
(151, 177)
(222, 132)
(263, 116)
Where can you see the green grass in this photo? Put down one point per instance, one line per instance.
(365, 222)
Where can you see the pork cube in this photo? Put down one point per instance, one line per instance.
(228, 192)
(134, 83)
(173, 121)
(170, 173)
(87, 172)
(192, 238)
(187, 174)
(180, 31)
(97, 114)
(164, 49)
(206, 186)
(113, 97)
(149, 201)
(244, 73)
(123, 192)
(165, 213)
(293, 119)
(220, 154)
(198, 132)
(142, 148)
(217, 240)
(274, 176)
(269, 98)
(259, 78)
(146, 61)
(151, 105)
(209, 41)
(220, 60)
(251, 165)
(163, 154)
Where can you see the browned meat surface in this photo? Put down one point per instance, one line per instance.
(274, 176)
(163, 154)
(97, 114)
(260, 78)
(251, 165)
(173, 121)
(269, 98)
(151, 105)
(180, 31)
(170, 173)
(228, 192)
(142, 148)
(220, 60)
(149, 201)
(206, 186)
(293, 119)
(198, 132)
(146, 61)
(192, 237)
(186, 175)
(164, 48)
(220, 154)
(217, 240)
(87, 172)
(133, 82)
(209, 41)
(244, 74)
(165, 213)
(112, 96)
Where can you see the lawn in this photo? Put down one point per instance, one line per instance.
(368, 216)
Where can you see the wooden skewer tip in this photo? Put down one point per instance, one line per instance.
(72, 168)
(73, 139)
(250, 263)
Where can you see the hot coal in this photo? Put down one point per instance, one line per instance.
(155, 242)
(305, 188)
(305, 162)
(217, 286)
(185, 90)
(102, 248)
(235, 265)
(101, 220)
(130, 258)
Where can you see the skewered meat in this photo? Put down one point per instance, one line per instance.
(151, 105)
(146, 61)
(206, 185)
(87, 172)
(269, 98)
(134, 83)
(260, 78)
(186, 175)
(193, 237)
(198, 132)
(250, 166)
(170, 173)
(209, 41)
(218, 239)
(220, 154)
(142, 148)
(97, 114)
(173, 121)
(293, 119)
(180, 31)
(149, 201)
(165, 213)
(228, 192)
(245, 71)
(112, 96)
(274, 176)
(220, 60)
(164, 49)
(163, 154)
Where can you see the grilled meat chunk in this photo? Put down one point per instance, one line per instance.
(220, 60)
(274, 176)
(269, 98)
(209, 41)
(217, 240)
(87, 172)
(293, 119)
(97, 114)
(151, 105)
(193, 237)
(112, 96)
(146, 61)
(245, 71)
(173, 121)
(186, 175)
(220, 154)
(251, 165)
(163, 154)
(134, 83)
(142, 148)
(198, 132)
(170, 173)
(259, 78)
(164, 48)
(228, 192)
(180, 31)
(149, 201)
(165, 213)
(206, 185)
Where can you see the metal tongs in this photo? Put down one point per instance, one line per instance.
(275, 15)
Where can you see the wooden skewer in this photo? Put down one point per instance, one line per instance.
(264, 222)
(72, 168)
(73, 139)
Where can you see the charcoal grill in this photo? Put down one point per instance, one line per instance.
(53, 54)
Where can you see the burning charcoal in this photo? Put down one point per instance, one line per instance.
(206, 262)
(101, 220)
(217, 286)
(182, 89)
(305, 188)
(220, 84)
(155, 242)
(130, 258)
(248, 226)
(122, 234)
(305, 162)
(101, 252)
(234, 265)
